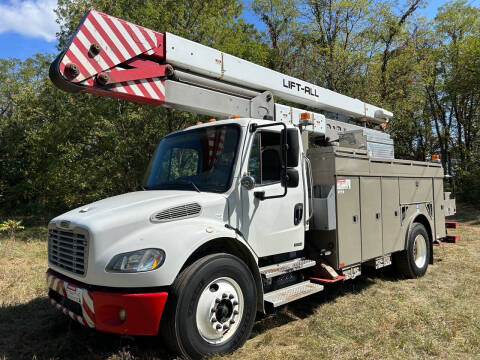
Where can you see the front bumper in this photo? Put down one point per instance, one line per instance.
(101, 309)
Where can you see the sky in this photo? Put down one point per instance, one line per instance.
(28, 26)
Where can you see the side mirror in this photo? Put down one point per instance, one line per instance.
(248, 182)
(293, 148)
(292, 178)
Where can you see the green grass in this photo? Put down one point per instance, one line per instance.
(377, 316)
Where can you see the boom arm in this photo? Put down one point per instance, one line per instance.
(112, 57)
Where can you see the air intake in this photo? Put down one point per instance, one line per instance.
(177, 213)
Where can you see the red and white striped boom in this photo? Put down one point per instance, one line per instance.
(113, 57)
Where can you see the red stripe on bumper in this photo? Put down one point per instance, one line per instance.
(143, 311)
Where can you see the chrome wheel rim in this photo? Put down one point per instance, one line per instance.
(420, 251)
(219, 310)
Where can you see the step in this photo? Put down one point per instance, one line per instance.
(291, 293)
(286, 267)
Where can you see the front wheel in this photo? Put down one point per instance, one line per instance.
(211, 308)
(413, 262)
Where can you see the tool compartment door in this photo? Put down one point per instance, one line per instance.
(348, 220)
(391, 223)
(371, 210)
(439, 207)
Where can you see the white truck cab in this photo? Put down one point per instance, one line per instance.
(210, 188)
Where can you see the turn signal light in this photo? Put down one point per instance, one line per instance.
(212, 120)
(435, 157)
(384, 125)
(236, 116)
(198, 123)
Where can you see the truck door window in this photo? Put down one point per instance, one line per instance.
(265, 158)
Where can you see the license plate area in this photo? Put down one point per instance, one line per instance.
(74, 294)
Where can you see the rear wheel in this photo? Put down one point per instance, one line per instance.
(211, 308)
(413, 262)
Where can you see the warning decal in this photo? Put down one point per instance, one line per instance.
(344, 184)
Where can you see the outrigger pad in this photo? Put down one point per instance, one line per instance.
(452, 238)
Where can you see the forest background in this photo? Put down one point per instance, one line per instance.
(60, 150)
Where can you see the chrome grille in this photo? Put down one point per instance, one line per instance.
(178, 212)
(68, 250)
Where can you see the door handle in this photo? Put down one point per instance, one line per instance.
(297, 214)
(355, 219)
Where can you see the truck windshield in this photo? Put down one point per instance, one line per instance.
(200, 159)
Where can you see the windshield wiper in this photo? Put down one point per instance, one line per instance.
(195, 186)
(184, 182)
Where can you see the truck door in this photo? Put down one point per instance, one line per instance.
(271, 226)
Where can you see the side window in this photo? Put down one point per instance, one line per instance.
(265, 162)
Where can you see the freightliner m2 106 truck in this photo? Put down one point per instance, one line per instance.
(262, 208)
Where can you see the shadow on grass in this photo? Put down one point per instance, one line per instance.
(466, 213)
(37, 330)
(306, 307)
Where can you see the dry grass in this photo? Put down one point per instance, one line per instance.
(376, 316)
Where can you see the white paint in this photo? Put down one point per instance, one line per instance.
(207, 61)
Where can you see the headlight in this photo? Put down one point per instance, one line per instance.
(137, 261)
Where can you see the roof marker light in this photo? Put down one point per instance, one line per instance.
(305, 116)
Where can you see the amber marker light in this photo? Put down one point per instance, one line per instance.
(305, 116)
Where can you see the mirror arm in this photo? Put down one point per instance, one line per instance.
(260, 195)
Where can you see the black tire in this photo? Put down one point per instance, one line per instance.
(179, 326)
(405, 260)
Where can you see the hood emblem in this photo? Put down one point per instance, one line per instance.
(65, 224)
(86, 209)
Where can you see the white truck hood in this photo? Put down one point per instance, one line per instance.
(131, 207)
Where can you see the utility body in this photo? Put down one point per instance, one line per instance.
(238, 215)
